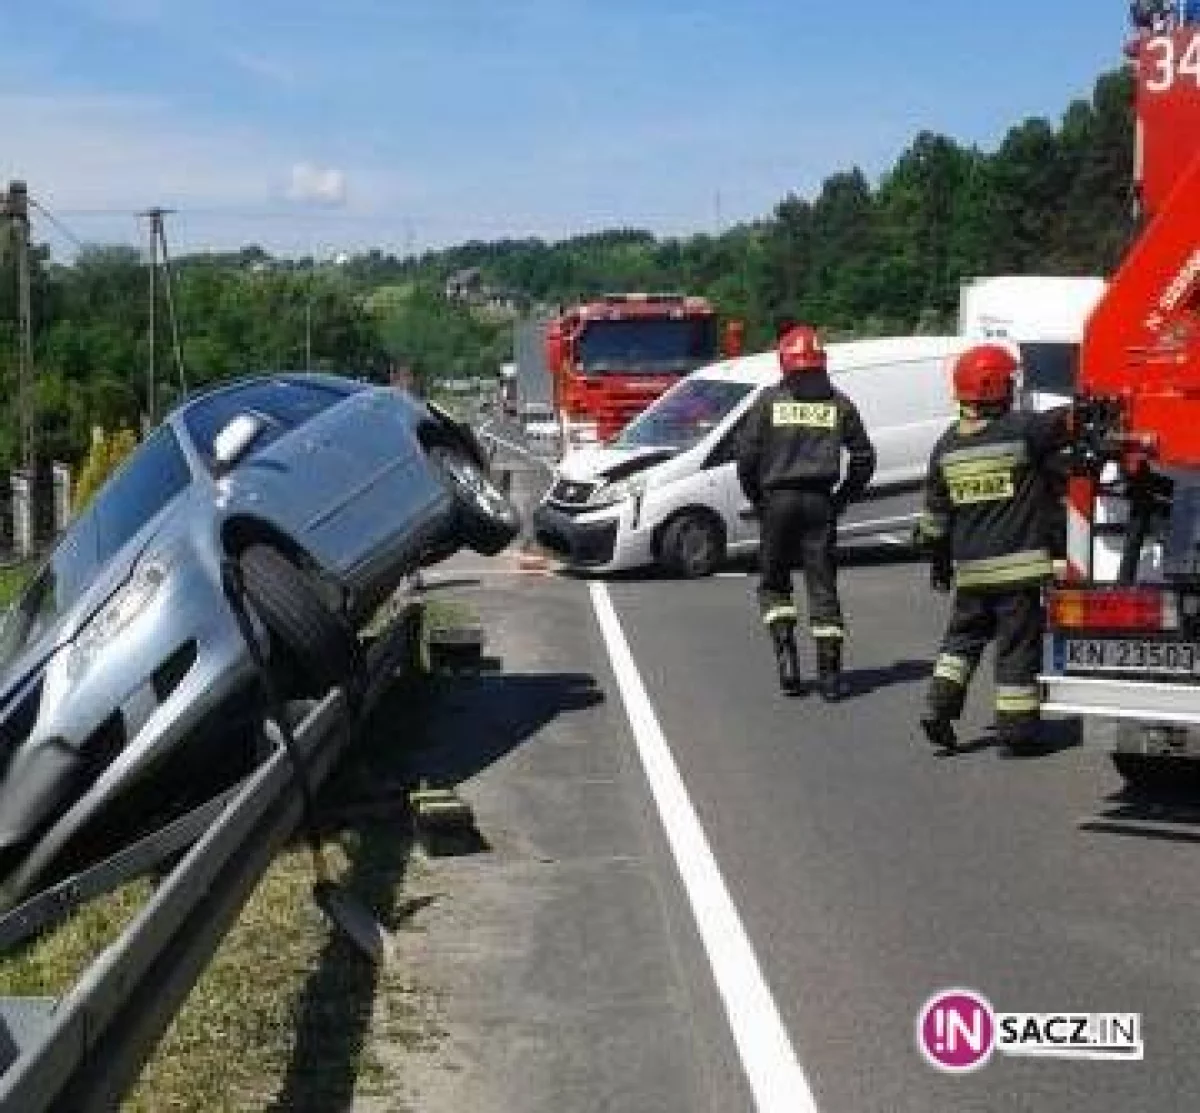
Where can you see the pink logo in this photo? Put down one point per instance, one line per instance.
(956, 1031)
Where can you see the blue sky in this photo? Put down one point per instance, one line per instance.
(313, 126)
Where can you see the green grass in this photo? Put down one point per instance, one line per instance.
(11, 582)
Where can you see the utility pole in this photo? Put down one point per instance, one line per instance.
(16, 211)
(308, 328)
(158, 238)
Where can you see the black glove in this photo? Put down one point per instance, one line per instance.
(941, 576)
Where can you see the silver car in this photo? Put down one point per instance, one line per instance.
(325, 492)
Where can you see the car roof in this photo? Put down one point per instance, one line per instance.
(762, 368)
(240, 382)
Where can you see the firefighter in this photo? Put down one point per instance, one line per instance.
(789, 465)
(985, 527)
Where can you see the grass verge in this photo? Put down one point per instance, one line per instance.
(11, 581)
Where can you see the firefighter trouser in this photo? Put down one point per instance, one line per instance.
(800, 527)
(1014, 619)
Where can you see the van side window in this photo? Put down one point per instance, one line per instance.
(726, 450)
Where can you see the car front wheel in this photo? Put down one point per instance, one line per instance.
(487, 519)
(318, 646)
(692, 545)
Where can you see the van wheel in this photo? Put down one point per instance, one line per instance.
(692, 545)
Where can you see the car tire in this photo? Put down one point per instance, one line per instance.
(485, 517)
(319, 647)
(692, 545)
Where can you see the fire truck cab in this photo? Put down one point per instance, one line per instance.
(610, 358)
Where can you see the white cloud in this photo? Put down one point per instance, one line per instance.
(264, 67)
(317, 185)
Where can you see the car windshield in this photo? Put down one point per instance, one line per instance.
(662, 346)
(684, 415)
(285, 403)
(1050, 368)
(50, 593)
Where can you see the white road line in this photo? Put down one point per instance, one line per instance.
(775, 1075)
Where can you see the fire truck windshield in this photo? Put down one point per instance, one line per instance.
(684, 415)
(666, 347)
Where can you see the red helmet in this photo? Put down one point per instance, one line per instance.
(985, 374)
(800, 349)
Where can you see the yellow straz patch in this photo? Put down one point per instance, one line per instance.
(983, 486)
(812, 415)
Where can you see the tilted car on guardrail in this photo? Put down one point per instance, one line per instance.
(122, 657)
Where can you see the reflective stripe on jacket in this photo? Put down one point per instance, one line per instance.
(987, 500)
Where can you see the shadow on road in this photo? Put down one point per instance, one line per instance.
(1166, 809)
(1056, 737)
(441, 731)
(860, 682)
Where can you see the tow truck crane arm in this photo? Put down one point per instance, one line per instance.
(1140, 363)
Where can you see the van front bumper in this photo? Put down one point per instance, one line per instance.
(600, 540)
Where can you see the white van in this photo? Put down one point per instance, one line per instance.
(1041, 318)
(665, 490)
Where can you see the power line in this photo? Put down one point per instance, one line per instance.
(63, 230)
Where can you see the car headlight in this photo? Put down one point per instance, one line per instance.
(125, 606)
(619, 491)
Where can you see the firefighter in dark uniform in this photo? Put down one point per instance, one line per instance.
(789, 465)
(985, 529)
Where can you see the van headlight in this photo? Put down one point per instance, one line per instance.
(122, 609)
(612, 493)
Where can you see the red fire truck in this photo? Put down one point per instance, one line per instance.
(610, 358)
(1123, 644)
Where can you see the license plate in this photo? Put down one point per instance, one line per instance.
(1127, 655)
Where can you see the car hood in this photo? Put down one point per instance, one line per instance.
(591, 464)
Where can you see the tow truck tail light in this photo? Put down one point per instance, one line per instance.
(1120, 608)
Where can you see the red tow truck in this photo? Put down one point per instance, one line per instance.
(1123, 638)
(610, 358)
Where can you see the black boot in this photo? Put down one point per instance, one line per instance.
(939, 731)
(829, 670)
(1019, 739)
(783, 635)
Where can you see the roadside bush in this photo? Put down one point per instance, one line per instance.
(107, 453)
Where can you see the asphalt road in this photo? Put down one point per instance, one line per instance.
(870, 874)
(866, 872)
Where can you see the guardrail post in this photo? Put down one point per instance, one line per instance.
(21, 492)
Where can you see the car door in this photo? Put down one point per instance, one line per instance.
(723, 489)
(297, 474)
(391, 496)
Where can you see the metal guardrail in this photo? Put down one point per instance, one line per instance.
(84, 1051)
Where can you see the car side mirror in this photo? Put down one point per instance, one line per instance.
(233, 442)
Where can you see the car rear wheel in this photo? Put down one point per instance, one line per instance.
(318, 645)
(487, 519)
(692, 545)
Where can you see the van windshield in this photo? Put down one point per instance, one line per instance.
(683, 416)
